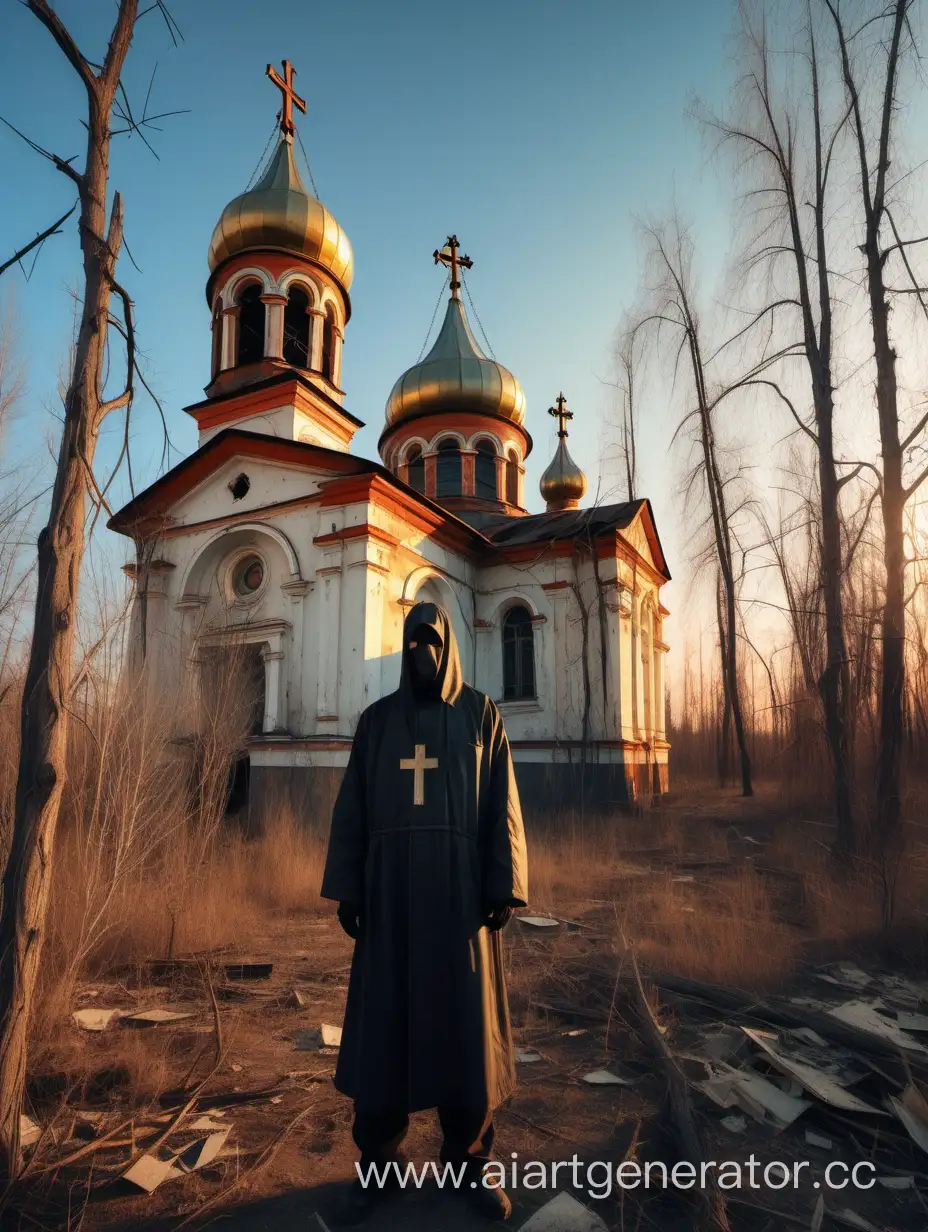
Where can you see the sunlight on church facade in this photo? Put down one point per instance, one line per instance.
(274, 537)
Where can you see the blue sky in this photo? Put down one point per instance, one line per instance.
(537, 131)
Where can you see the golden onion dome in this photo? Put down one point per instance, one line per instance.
(278, 213)
(563, 484)
(456, 376)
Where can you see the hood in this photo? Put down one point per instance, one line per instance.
(450, 677)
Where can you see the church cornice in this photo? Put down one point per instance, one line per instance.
(266, 394)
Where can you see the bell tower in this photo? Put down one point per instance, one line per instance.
(280, 271)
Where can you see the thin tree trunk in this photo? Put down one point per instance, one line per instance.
(873, 189)
(28, 875)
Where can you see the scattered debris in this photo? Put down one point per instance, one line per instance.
(896, 1182)
(813, 1139)
(604, 1078)
(821, 1085)
(154, 1018)
(912, 1111)
(864, 1016)
(735, 1124)
(526, 1056)
(538, 921)
(766, 1102)
(207, 1123)
(249, 970)
(846, 974)
(94, 1019)
(575, 1032)
(148, 1172)
(911, 1022)
(29, 1132)
(297, 999)
(564, 1214)
(202, 1152)
(315, 1038)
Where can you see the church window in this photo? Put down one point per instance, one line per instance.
(518, 655)
(485, 471)
(250, 325)
(512, 478)
(328, 345)
(240, 487)
(296, 328)
(415, 469)
(448, 468)
(248, 576)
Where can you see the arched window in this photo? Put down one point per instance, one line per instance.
(448, 468)
(250, 347)
(415, 474)
(518, 654)
(296, 328)
(328, 344)
(512, 477)
(485, 471)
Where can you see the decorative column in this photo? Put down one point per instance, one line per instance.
(229, 337)
(468, 476)
(338, 339)
(274, 325)
(330, 580)
(316, 326)
(500, 461)
(297, 590)
(272, 661)
(431, 473)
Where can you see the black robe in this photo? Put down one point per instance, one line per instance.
(427, 1020)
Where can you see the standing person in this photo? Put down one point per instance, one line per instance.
(427, 860)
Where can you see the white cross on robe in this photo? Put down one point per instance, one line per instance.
(419, 764)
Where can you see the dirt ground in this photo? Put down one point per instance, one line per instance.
(567, 1006)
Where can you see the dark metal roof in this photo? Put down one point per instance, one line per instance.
(582, 524)
(564, 524)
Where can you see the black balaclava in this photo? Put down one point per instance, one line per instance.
(424, 648)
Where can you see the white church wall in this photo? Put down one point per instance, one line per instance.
(268, 484)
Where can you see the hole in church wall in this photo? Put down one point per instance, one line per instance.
(240, 487)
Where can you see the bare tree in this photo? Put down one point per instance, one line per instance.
(676, 311)
(882, 245)
(44, 723)
(789, 152)
(627, 361)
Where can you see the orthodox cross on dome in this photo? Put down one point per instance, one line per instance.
(561, 414)
(290, 97)
(419, 764)
(449, 256)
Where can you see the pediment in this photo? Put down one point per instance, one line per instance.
(242, 484)
(641, 535)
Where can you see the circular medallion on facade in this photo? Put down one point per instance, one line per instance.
(248, 576)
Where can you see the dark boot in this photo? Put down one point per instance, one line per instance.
(360, 1201)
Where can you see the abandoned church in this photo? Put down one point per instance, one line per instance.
(273, 536)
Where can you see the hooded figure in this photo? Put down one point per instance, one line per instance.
(427, 859)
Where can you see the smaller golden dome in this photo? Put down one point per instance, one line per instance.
(278, 213)
(563, 484)
(456, 376)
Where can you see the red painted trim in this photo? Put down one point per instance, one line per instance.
(363, 531)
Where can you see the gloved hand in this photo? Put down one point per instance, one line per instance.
(349, 916)
(496, 916)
